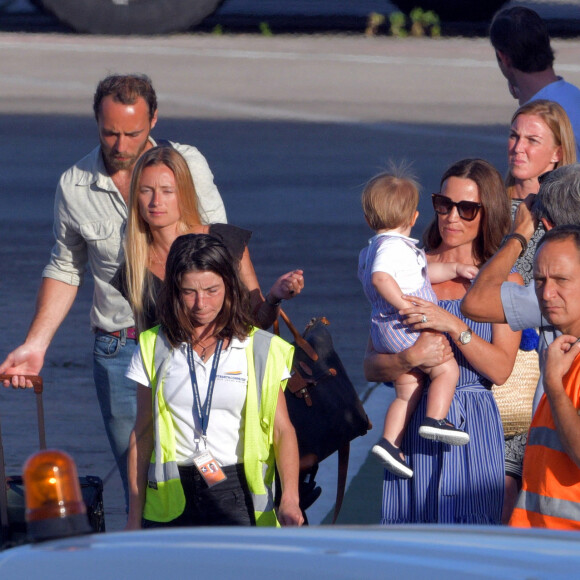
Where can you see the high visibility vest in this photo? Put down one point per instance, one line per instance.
(268, 357)
(550, 496)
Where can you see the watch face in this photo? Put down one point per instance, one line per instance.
(465, 336)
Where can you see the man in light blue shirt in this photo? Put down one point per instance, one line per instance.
(493, 299)
(524, 55)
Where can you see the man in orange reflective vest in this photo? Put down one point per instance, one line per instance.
(550, 496)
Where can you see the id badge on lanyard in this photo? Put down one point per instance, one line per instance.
(206, 464)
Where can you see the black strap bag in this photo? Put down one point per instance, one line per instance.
(323, 405)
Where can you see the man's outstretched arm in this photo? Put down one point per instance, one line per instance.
(53, 303)
(483, 300)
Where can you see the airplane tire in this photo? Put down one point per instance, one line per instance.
(136, 17)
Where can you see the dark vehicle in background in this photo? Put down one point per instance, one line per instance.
(146, 17)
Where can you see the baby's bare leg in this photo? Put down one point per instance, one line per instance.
(435, 425)
(408, 389)
(444, 379)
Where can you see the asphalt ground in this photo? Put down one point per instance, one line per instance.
(292, 127)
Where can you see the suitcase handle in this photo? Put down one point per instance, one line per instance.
(38, 384)
(34, 379)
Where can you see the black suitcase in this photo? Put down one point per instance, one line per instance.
(12, 504)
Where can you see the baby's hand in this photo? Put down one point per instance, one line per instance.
(467, 271)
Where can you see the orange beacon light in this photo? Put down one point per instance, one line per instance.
(54, 503)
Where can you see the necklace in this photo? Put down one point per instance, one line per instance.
(204, 348)
(157, 260)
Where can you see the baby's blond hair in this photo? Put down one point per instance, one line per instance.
(390, 199)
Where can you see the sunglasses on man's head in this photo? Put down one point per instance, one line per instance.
(467, 210)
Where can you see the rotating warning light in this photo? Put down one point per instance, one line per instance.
(54, 503)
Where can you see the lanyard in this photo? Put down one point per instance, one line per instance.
(203, 410)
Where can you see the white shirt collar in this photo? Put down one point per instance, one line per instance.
(234, 343)
(394, 235)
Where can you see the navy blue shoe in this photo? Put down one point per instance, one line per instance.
(444, 431)
(390, 457)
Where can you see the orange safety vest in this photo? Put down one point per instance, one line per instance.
(550, 496)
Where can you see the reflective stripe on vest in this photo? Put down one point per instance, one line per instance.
(549, 506)
(546, 437)
(264, 502)
(550, 496)
(262, 342)
(267, 356)
(160, 471)
(163, 479)
(546, 499)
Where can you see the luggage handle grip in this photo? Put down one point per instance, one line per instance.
(298, 338)
(36, 381)
(37, 384)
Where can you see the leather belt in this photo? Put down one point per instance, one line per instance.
(131, 332)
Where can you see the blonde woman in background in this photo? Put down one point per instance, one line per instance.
(541, 139)
(163, 206)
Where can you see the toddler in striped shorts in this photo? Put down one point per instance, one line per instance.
(389, 267)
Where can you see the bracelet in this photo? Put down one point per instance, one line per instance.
(520, 239)
(274, 303)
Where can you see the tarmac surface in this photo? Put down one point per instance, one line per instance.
(292, 127)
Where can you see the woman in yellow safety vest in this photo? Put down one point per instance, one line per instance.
(211, 415)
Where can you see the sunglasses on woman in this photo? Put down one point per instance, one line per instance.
(467, 210)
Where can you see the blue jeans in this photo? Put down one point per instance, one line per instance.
(117, 395)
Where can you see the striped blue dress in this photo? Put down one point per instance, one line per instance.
(451, 484)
